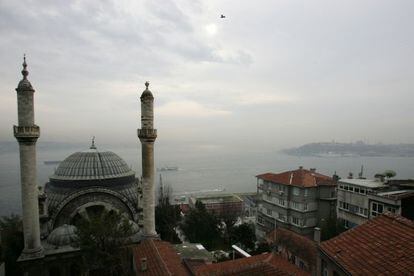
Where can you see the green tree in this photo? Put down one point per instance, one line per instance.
(12, 242)
(167, 216)
(389, 173)
(202, 227)
(244, 235)
(103, 239)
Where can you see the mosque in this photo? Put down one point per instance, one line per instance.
(84, 184)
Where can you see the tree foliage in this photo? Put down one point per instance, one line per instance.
(12, 242)
(244, 235)
(167, 216)
(201, 226)
(103, 238)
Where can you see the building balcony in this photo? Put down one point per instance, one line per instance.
(26, 132)
(147, 133)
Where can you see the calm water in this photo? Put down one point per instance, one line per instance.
(205, 171)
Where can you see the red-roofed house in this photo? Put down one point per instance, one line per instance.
(297, 200)
(297, 249)
(263, 264)
(381, 246)
(158, 258)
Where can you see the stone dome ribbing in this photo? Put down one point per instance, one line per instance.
(92, 165)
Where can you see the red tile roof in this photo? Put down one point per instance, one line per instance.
(381, 246)
(300, 177)
(263, 264)
(161, 257)
(298, 245)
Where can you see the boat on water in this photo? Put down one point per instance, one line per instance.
(167, 168)
(53, 162)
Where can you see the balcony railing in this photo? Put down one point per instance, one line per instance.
(26, 131)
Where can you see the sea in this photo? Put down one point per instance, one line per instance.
(198, 172)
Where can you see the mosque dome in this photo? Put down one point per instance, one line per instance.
(92, 165)
(63, 235)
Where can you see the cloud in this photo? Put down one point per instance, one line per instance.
(264, 99)
(189, 109)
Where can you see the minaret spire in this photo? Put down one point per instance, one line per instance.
(25, 73)
(27, 133)
(147, 135)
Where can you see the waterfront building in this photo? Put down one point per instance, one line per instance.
(362, 199)
(298, 200)
(380, 246)
(220, 204)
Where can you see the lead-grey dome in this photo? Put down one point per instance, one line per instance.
(92, 165)
(63, 235)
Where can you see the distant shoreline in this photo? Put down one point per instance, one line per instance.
(333, 149)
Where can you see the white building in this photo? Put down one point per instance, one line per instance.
(362, 199)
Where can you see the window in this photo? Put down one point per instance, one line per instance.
(295, 205)
(281, 217)
(351, 188)
(356, 190)
(301, 265)
(362, 191)
(305, 206)
(269, 212)
(260, 220)
(281, 202)
(377, 209)
(295, 220)
(391, 209)
(296, 191)
(306, 192)
(346, 188)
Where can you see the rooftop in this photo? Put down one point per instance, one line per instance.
(223, 198)
(161, 259)
(400, 194)
(368, 183)
(263, 264)
(300, 178)
(383, 245)
(299, 245)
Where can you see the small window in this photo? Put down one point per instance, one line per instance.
(351, 188)
(306, 192)
(356, 190)
(305, 206)
(269, 212)
(296, 191)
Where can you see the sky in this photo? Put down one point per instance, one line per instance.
(272, 74)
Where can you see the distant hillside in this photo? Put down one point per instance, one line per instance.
(352, 149)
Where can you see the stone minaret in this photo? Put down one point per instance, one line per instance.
(147, 135)
(26, 134)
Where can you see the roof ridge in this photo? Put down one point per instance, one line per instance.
(398, 218)
(159, 256)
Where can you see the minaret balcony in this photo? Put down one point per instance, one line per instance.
(147, 133)
(26, 131)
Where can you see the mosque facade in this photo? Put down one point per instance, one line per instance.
(84, 184)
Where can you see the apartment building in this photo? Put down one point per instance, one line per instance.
(297, 200)
(362, 199)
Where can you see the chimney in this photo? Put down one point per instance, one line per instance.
(317, 235)
(312, 170)
(143, 264)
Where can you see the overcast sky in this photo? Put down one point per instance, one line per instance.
(271, 74)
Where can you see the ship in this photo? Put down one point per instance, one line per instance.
(167, 168)
(53, 162)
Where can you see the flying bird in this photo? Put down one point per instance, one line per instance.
(222, 16)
